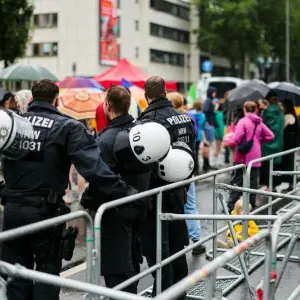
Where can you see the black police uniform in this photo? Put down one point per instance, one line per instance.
(121, 254)
(175, 236)
(34, 188)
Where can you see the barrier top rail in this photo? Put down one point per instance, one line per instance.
(156, 191)
(268, 157)
(211, 267)
(35, 227)
(21, 272)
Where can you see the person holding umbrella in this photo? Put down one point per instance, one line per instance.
(273, 117)
(291, 140)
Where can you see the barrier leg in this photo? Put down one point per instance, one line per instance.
(210, 287)
(286, 258)
(246, 200)
(158, 242)
(215, 230)
(271, 189)
(241, 259)
(267, 271)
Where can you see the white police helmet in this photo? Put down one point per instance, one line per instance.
(16, 133)
(150, 142)
(178, 165)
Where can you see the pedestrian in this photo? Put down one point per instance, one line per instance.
(190, 207)
(9, 102)
(219, 131)
(121, 232)
(273, 118)
(135, 109)
(200, 120)
(249, 129)
(263, 105)
(174, 234)
(23, 98)
(35, 186)
(238, 229)
(209, 130)
(291, 140)
(101, 119)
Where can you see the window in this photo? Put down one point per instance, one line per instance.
(168, 58)
(36, 50)
(170, 33)
(137, 54)
(137, 25)
(171, 8)
(45, 49)
(45, 20)
(36, 20)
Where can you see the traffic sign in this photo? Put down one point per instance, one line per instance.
(207, 66)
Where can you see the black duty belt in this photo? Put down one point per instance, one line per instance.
(35, 201)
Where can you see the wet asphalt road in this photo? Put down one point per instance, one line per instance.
(204, 202)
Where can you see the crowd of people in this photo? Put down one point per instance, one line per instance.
(263, 128)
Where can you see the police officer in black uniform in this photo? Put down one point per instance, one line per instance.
(121, 254)
(175, 237)
(36, 183)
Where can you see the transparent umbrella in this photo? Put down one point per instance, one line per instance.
(26, 72)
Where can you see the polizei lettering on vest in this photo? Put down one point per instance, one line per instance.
(179, 119)
(40, 121)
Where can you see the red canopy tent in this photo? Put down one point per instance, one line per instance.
(124, 69)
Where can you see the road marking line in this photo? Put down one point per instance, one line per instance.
(73, 271)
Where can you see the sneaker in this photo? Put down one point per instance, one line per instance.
(199, 249)
(289, 189)
(230, 244)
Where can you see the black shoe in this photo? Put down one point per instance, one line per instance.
(289, 189)
(199, 249)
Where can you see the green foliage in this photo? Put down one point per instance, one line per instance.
(231, 28)
(234, 28)
(15, 18)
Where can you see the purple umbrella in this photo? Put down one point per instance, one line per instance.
(79, 82)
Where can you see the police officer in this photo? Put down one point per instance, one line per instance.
(121, 228)
(180, 128)
(36, 183)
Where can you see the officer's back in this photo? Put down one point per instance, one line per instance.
(36, 183)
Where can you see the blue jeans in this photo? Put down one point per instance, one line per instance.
(190, 208)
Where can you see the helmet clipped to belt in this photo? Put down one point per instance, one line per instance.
(16, 134)
(178, 165)
(143, 144)
(150, 142)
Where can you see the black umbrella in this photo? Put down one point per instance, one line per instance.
(286, 91)
(253, 90)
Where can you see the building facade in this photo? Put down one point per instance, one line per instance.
(155, 35)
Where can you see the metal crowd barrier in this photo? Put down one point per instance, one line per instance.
(42, 225)
(159, 262)
(93, 253)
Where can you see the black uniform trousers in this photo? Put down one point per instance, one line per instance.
(237, 180)
(174, 238)
(40, 249)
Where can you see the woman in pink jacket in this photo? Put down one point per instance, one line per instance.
(250, 127)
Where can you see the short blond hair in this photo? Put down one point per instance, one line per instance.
(177, 100)
(239, 205)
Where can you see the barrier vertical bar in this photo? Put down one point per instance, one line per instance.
(295, 176)
(210, 287)
(158, 242)
(271, 190)
(267, 271)
(215, 229)
(246, 199)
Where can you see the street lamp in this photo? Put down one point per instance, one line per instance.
(287, 39)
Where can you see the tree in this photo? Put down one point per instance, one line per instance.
(15, 16)
(231, 29)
